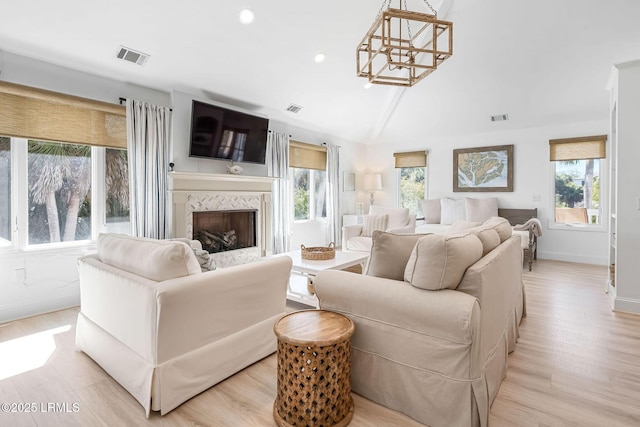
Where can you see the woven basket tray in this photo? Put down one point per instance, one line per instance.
(318, 252)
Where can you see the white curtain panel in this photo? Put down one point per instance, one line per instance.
(333, 193)
(282, 201)
(148, 135)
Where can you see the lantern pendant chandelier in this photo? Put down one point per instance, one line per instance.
(403, 47)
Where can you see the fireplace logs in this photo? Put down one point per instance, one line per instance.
(217, 241)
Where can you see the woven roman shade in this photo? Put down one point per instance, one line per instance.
(307, 156)
(27, 112)
(412, 159)
(582, 148)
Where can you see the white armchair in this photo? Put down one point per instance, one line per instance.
(165, 330)
(400, 221)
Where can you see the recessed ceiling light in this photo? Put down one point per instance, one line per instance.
(367, 85)
(246, 16)
(320, 57)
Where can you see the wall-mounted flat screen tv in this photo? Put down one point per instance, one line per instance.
(221, 133)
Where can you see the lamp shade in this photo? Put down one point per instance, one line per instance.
(373, 182)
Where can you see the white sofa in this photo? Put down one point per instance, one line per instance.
(357, 237)
(435, 319)
(165, 330)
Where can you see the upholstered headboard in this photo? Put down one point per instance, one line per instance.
(518, 216)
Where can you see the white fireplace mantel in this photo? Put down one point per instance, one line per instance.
(192, 191)
(195, 181)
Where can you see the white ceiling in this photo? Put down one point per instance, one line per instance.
(541, 62)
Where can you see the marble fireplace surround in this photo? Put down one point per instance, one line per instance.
(197, 192)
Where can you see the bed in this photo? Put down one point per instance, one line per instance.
(516, 217)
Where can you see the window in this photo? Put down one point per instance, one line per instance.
(308, 169)
(5, 190)
(59, 178)
(301, 198)
(577, 169)
(57, 192)
(116, 192)
(412, 188)
(63, 172)
(309, 194)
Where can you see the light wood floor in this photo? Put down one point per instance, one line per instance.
(576, 364)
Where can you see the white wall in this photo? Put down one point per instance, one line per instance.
(31, 72)
(532, 176)
(627, 290)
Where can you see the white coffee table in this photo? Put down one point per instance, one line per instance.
(304, 270)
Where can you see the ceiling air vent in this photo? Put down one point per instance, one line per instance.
(131, 55)
(499, 117)
(294, 108)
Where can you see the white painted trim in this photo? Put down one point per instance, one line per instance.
(626, 305)
(611, 292)
(35, 308)
(559, 256)
(178, 176)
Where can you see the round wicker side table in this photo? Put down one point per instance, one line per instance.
(314, 369)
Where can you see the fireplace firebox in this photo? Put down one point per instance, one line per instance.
(227, 230)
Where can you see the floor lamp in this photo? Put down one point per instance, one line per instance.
(372, 183)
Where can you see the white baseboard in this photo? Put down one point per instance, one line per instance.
(33, 308)
(626, 305)
(559, 256)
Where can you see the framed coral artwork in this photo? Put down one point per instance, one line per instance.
(483, 169)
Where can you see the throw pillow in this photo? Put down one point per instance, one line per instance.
(451, 210)
(488, 237)
(390, 253)
(480, 209)
(373, 223)
(154, 259)
(501, 225)
(205, 260)
(439, 261)
(398, 217)
(431, 210)
(461, 225)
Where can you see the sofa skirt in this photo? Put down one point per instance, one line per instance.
(163, 387)
(428, 397)
(129, 369)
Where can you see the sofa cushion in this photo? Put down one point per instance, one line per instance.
(431, 210)
(451, 210)
(398, 217)
(359, 243)
(373, 223)
(154, 259)
(501, 225)
(390, 253)
(439, 261)
(480, 209)
(461, 225)
(488, 237)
